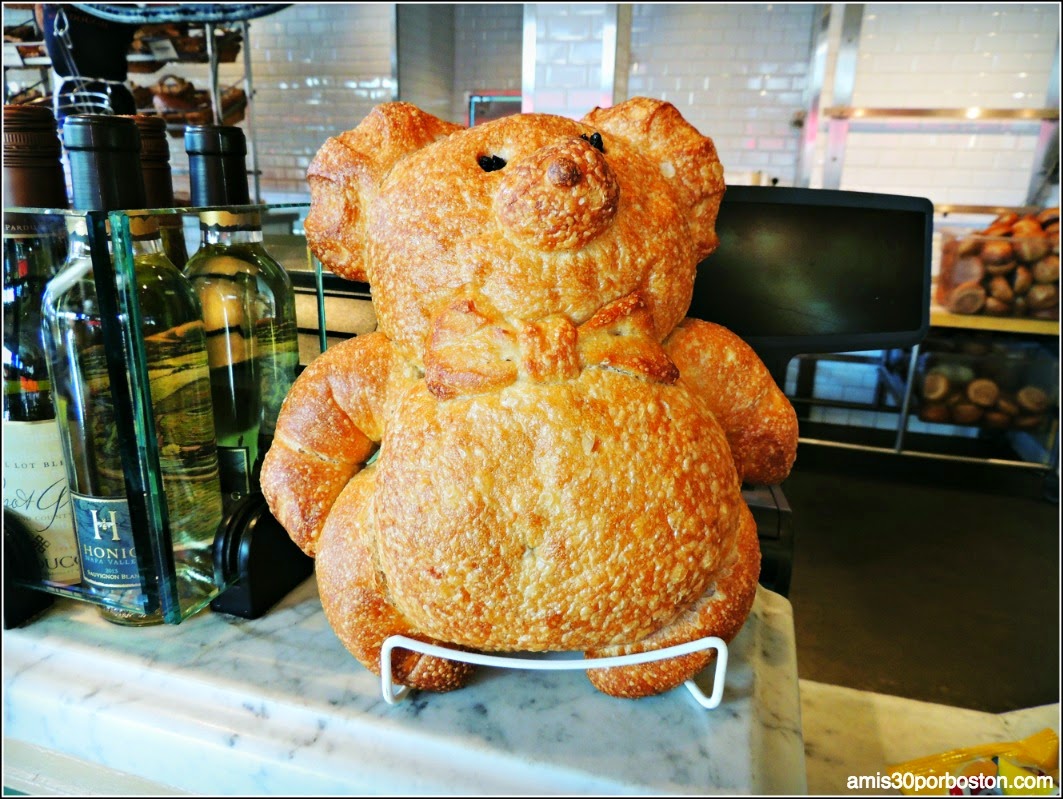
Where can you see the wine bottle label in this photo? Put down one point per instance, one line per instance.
(234, 464)
(105, 541)
(32, 226)
(35, 489)
(229, 221)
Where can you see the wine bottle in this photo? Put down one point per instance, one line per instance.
(158, 184)
(248, 306)
(35, 485)
(103, 153)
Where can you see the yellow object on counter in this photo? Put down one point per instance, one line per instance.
(1029, 767)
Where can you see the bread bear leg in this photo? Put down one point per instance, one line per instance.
(720, 612)
(354, 595)
(737, 387)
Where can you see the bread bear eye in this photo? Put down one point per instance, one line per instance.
(595, 140)
(490, 163)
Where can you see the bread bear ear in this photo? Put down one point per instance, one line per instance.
(346, 174)
(686, 159)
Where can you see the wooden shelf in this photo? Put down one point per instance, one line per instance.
(986, 210)
(939, 317)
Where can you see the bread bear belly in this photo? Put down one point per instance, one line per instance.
(552, 515)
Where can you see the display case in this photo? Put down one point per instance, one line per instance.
(253, 562)
(988, 381)
(978, 389)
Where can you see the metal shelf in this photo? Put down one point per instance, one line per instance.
(973, 114)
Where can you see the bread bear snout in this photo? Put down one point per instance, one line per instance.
(558, 198)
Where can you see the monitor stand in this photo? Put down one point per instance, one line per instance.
(774, 521)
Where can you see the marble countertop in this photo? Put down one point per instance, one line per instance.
(275, 706)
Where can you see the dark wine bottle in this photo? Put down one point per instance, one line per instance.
(158, 185)
(103, 153)
(35, 485)
(248, 306)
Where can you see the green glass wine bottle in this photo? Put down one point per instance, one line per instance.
(248, 306)
(35, 486)
(103, 153)
(158, 184)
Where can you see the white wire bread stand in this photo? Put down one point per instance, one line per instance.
(393, 694)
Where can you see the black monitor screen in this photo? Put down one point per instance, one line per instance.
(817, 270)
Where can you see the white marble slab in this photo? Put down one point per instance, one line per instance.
(226, 706)
(850, 733)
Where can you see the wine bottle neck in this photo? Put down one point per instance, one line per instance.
(144, 235)
(227, 227)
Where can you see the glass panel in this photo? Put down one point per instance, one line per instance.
(128, 399)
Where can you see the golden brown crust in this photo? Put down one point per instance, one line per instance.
(327, 428)
(621, 336)
(555, 470)
(682, 154)
(720, 611)
(510, 234)
(470, 349)
(552, 516)
(345, 173)
(727, 375)
(353, 595)
(558, 198)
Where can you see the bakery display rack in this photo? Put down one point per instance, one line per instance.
(191, 40)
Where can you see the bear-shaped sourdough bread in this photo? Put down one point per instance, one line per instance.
(559, 453)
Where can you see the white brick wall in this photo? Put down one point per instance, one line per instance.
(317, 70)
(956, 55)
(569, 58)
(425, 57)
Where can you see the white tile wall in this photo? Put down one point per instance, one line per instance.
(954, 55)
(425, 58)
(737, 71)
(488, 43)
(569, 58)
(317, 70)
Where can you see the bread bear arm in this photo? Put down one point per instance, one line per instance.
(759, 421)
(328, 427)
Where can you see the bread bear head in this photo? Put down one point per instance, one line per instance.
(533, 214)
